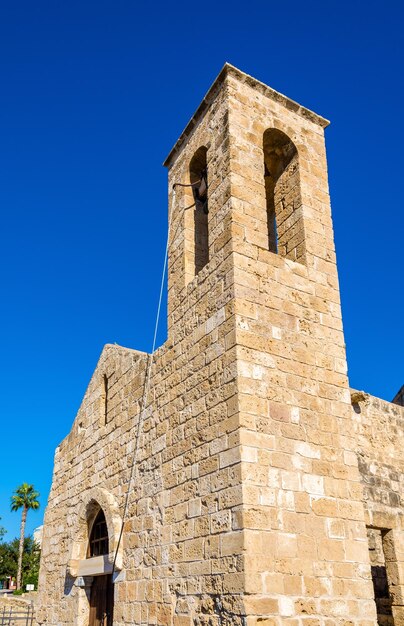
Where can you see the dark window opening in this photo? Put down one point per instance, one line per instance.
(282, 192)
(198, 172)
(105, 399)
(379, 577)
(271, 216)
(98, 543)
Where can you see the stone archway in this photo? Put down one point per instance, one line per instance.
(92, 501)
(93, 575)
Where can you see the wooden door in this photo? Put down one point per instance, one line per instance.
(101, 601)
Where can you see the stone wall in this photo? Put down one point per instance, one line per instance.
(178, 560)
(302, 519)
(246, 505)
(379, 427)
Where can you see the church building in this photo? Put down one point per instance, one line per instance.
(232, 477)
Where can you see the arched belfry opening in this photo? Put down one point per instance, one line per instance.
(198, 174)
(283, 198)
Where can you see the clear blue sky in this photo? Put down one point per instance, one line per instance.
(93, 95)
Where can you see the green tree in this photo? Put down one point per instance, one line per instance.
(8, 562)
(30, 561)
(25, 497)
(2, 532)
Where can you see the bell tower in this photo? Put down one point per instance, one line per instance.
(199, 201)
(251, 231)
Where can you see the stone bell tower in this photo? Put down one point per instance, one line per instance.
(252, 257)
(235, 497)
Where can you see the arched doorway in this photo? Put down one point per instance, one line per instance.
(92, 573)
(102, 588)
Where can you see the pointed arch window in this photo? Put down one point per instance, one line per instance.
(98, 543)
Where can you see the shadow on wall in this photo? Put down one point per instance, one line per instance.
(69, 582)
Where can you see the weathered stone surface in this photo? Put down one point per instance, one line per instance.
(254, 478)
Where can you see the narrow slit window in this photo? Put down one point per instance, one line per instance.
(379, 577)
(105, 399)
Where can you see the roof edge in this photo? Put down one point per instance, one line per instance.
(229, 69)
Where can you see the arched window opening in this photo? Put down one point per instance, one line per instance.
(98, 543)
(198, 173)
(282, 190)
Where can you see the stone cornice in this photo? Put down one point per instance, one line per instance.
(242, 77)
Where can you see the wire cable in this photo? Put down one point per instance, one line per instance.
(150, 358)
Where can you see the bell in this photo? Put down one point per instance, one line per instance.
(203, 188)
(200, 191)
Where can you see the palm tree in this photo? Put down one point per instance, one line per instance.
(25, 497)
